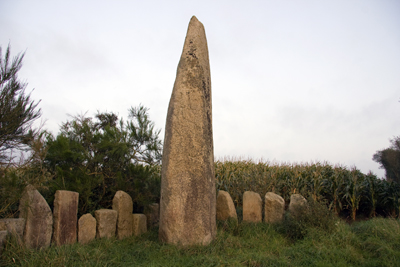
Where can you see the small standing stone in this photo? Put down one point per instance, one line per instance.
(139, 224)
(274, 208)
(252, 207)
(38, 218)
(298, 205)
(225, 207)
(152, 214)
(106, 222)
(86, 228)
(15, 226)
(123, 204)
(65, 217)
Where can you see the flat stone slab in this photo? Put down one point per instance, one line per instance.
(188, 195)
(274, 208)
(65, 217)
(38, 218)
(139, 224)
(122, 203)
(86, 228)
(252, 207)
(225, 206)
(106, 223)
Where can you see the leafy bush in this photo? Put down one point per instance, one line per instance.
(15, 177)
(314, 216)
(97, 157)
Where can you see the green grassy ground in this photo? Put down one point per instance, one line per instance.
(375, 242)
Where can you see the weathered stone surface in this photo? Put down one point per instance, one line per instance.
(225, 207)
(274, 208)
(106, 223)
(188, 195)
(152, 213)
(3, 238)
(86, 228)
(38, 218)
(123, 204)
(297, 205)
(139, 224)
(252, 207)
(15, 226)
(65, 217)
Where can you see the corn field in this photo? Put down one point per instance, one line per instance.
(346, 191)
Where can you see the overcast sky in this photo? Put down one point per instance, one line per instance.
(292, 81)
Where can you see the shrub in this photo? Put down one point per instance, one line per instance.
(314, 216)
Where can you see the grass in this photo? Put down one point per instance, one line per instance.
(375, 242)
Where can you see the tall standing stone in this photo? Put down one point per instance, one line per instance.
(188, 195)
(123, 204)
(65, 217)
(38, 218)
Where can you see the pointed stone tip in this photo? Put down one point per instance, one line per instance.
(194, 21)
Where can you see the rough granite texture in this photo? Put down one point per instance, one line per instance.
(86, 228)
(139, 225)
(188, 195)
(106, 223)
(38, 218)
(297, 205)
(252, 207)
(122, 203)
(65, 217)
(225, 207)
(274, 208)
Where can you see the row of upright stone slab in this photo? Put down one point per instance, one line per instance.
(38, 226)
(274, 207)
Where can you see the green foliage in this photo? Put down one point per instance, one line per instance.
(314, 216)
(14, 178)
(17, 110)
(389, 159)
(97, 157)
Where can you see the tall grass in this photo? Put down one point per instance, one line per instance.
(368, 243)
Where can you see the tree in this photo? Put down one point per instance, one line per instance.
(96, 157)
(389, 159)
(17, 110)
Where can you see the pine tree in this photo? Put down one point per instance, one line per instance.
(17, 110)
